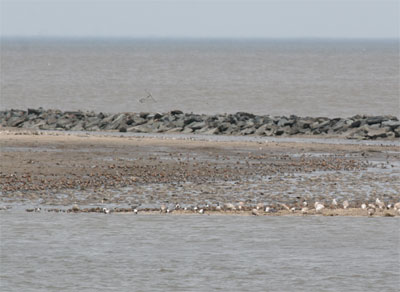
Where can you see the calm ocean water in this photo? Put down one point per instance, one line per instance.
(98, 252)
(92, 252)
(303, 77)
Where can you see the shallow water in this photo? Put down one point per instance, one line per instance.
(91, 252)
(303, 77)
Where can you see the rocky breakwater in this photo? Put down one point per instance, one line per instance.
(240, 123)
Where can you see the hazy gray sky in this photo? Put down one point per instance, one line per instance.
(190, 18)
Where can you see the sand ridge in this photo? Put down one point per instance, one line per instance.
(47, 169)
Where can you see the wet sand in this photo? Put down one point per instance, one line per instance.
(55, 170)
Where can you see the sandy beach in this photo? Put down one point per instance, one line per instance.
(54, 171)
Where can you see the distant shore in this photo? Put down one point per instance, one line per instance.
(357, 127)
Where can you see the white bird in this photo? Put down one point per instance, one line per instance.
(201, 211)
(267, 209)
(363, 206)
(135, 211)
(230, 206)
(334, 203)
(305, 204)
(106, 211)
(346, 204)
(380, 204)
(371, 211)
(293, 209)
(319, 207)
(304, 210)
(285, 206)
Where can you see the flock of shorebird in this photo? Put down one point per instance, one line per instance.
(303, 208)
(370, 208)
(261, 208)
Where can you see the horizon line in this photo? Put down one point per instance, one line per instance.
(87, 37)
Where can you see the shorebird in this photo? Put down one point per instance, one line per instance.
(75, 208)
(201, 211)
(230, 206)
(334, 203)
(106, 211)
(345, 204)
(285, 206)
(135, 207)
(149, 97)
(135, 211)
(293, 209)
(305, 204)
(267, 209)
(260, 206)
(319, 207)
(379, 203)
(363, 206)
(371, 211)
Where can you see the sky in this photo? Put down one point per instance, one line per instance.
(201, 19)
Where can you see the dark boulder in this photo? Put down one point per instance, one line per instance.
(176, 112)
(376, 120)
(35, 111)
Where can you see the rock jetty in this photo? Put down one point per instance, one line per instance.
(241, 123)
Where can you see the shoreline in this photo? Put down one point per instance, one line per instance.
(55, 170)
(359, 127)
(351, 212)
